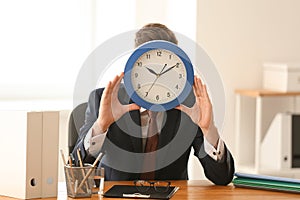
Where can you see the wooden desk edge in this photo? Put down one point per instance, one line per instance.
(195, 189)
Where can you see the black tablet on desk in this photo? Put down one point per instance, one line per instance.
(130, 191)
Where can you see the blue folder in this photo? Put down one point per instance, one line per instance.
(266, 182)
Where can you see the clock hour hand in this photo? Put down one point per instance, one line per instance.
(168, 69)
(152, 71)
(162, 69)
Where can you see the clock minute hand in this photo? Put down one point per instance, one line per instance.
(167, 70)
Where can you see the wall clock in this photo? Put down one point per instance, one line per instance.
(158, 75)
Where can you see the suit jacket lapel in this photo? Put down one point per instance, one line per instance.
(169, 127)
(168, 132)
(133, 123)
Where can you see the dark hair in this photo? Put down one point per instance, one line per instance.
(154, 31)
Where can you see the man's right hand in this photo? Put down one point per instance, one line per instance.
(111, 109)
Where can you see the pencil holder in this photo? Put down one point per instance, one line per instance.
(79, 181)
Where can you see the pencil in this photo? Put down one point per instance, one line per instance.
(71, 164)
(82, 170)
(63, 157)
(90, 170)
(67, 171)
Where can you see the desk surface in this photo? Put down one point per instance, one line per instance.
(198, 190)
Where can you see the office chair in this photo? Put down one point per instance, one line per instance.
(76, 121)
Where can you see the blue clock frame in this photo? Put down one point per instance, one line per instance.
(152, 45)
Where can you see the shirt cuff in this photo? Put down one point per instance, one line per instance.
(216, 154)
(87, 139)
(212, 135)
(94, 144)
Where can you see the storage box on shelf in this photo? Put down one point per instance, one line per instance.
(284, 77)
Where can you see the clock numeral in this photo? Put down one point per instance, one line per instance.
(148, 56)
(168, 94)
(177, 65)
(136, 75)
(170, 56)
(180, 76)
(157, 97)
(158, 53)
(139, 64)
(139, 86)
(177, 87)
(146, 94)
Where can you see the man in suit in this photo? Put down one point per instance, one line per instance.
(118, 127)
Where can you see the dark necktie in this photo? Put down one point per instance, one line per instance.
(151, 145)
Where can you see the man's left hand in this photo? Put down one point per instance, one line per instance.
(201, 112)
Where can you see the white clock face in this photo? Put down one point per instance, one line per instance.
(158, 76)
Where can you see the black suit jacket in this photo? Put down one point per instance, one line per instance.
(177, 122)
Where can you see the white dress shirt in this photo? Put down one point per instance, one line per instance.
(93, 144)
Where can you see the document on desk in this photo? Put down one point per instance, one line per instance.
(267, 182)
(130, 191)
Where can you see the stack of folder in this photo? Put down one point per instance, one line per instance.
(266, 182)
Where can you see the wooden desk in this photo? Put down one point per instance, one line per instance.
(198, 190)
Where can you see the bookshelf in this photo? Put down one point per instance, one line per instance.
(254, 112)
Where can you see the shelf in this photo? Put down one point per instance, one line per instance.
(262, 93)
(255, 110)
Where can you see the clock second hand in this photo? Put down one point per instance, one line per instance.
(157, 76)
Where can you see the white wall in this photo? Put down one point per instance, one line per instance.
(43, 44)
(178, 15)
(240, 35)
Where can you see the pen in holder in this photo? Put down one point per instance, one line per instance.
(80, 179)
(77, 175)
(88, 174)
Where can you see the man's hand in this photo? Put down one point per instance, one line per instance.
(111, 109)
(201, 112)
